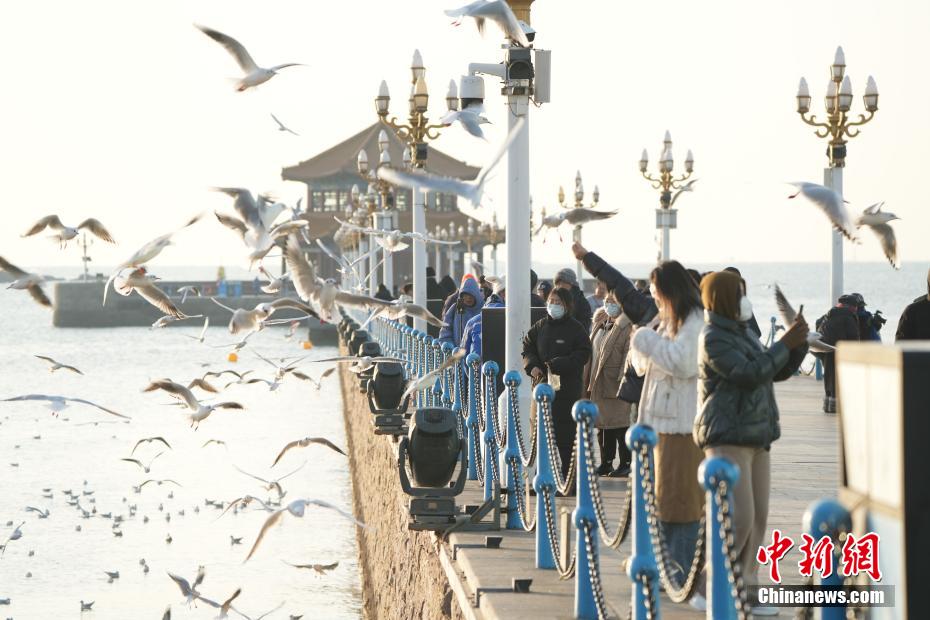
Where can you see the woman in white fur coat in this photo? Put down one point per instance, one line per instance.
(667, 354)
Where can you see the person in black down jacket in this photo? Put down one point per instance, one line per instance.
(840, 323)
(914, 323)
(737, 413)
(558, 344)
(566, 279)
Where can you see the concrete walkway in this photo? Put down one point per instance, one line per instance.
(804, 468)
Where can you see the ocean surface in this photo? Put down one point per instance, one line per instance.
(40, 451)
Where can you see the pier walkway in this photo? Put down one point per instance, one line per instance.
(804, 469)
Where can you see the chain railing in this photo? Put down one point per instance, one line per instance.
(471, 389)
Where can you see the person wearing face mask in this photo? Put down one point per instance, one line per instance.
(558, 345)
(737, 413)
(610, 342)
(467, 305)
(751, 323)
(667, 357)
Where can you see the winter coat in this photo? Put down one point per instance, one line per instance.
(562, 347)
(609, 347)
(638, 306)
(471, 341)
(433, 290)
(736, 399)
(458, 314)
(840, 323)
(670, 367)
(914, 323)
(581, 309)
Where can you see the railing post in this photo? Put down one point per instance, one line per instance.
(584, 412)
(489, 370)
(457, 402)
(829, 517)
(471, 422)
(643, 561)
(512, 455)
(544, 481)
(446, 384)
(720, 602)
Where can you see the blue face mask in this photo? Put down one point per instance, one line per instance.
(556, 311)
(612, 309)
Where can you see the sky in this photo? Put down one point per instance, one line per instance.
(124, 111)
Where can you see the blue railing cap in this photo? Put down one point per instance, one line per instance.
(715, 469)
(640, 434)
(826, 516)
(512, 377)
(447, 346)
(472, 358)
(543, 391)
(638, 565)
(584, 409)
(490, 368)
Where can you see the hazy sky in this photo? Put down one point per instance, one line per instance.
(122, 110)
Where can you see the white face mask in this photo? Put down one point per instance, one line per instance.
(612, 309)
(556, 311)
(745, 309)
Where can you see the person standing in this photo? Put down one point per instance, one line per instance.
(610, 342)
(914, 323)
(567, 280)
(433, 290)
(596, 299)
(558, 345)
(467, 305)
(737, 413)
(752, 324)
(667, 357)
(840, 323)
(471, 340)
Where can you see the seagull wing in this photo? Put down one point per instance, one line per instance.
(287, 228)
(269, 522)
(359, 301)
(232, 222)
(280, 124)
(47, 359)
(213, 299)
(157, 297)
(72, 369)
(424, 180)
(136, 461)
(831, 203)
(98, 229)
(303, 274)
(87, 402)
(420, 312)
(36, 292)
(286, 302)
(12, 269)
(50, 221)
(182, 583)
(175, 389)
(334, 508)
(885, 234)
(236, 49)
(787, 312)
(500, 13)
(251, 475)
(203, 385)
(228, 405)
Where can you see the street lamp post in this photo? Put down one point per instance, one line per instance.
(579, 203)
(837, 128)
(415, 134)
(383, 218)
(495, 236)
(666, 214)
(453, 255)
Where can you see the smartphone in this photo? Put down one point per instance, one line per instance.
(801, 311)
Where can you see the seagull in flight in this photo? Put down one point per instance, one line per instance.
(306, 441)
(471, 118)
(789, 316)
(253, 75)
(203, 331)
(877, 220)
(59, 403)
(250, 321)
(58, 365)
(319, 568)
(282, 126)
(317, 383)
(25, 281)
(187, 290)
(831, 203)
(297, 508)
(137, 279)
(200, 410)
(271, 485)
(16, 534)
(401, 307)
(576, 216)
(275, 284)
(42, 514)
(430, 378)
(394, 240)
(499, 12)
(360, 364)
(145, 467)
(67, 233)
(150, 440)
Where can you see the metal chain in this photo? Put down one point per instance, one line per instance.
(568, 571)
(652, 610)
(515, 404)
(734, 569)
(563, 485)
(676, 593)
(492, 463)
(520, 494)
(476, 453)
(489, 389)
(479, 396)
(623, 525)
(594, 571)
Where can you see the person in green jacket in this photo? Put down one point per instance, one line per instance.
(737, 414)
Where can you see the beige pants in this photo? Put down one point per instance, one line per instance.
(751, 503)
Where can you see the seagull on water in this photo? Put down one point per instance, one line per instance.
(297, 508)
(200, 411)
(831, 203)
(789, 316)
(86, 606)
(25, 281)
(253, 75)
(67, 233)
(60, 403)
(877, 220)
(306, 441)
(499, 12)
(58, 365)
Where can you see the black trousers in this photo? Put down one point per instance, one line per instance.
(829, 374)
(613, 443)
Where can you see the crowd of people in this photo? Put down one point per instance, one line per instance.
(682, 353)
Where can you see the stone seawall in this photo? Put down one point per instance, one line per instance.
(402, 577)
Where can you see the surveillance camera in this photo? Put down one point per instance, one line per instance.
(471, 90)
(527, 30)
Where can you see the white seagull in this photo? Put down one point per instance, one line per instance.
(253, 74)
(58, 365)
(138, 279)
(67, 233)
(470, 118)
(401, 307)
(789, 316)
(499, 12)
(188, 290)
(275, 284)
(297, 508)
(250, 321)
(877, 220)
(25, 281)
(831, 203)
(16, 534)
(60, 403)
(203, 331)
(575, 216)
(200, 411)
(430, 378)
(145, 467)
(306, 441)
(282, 126)
(363, 363)
(272, 485)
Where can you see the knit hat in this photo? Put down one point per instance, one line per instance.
(721, 292)
(566, 275)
